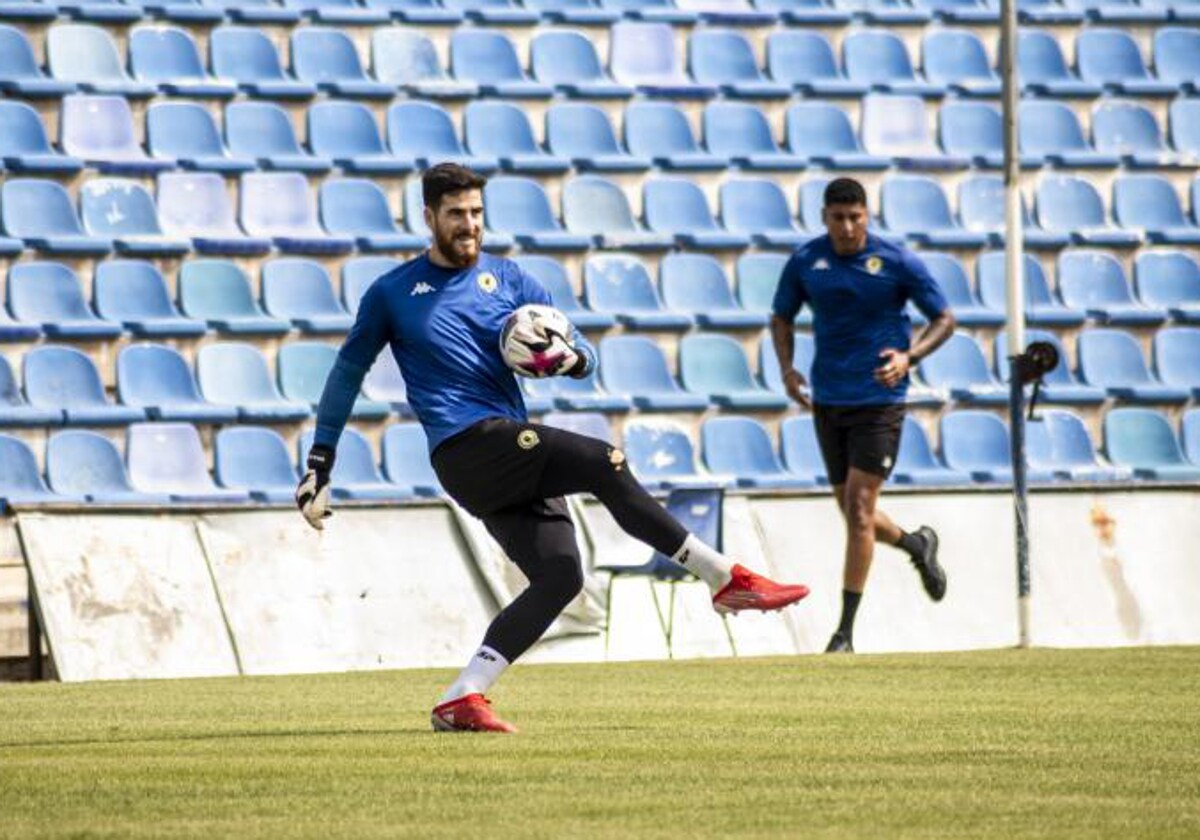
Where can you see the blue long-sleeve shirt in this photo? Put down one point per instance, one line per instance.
(443, 326)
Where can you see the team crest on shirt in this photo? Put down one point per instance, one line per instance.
(874, 264)
(487, 281)
(527, 439)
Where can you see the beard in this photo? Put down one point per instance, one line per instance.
(460, 250)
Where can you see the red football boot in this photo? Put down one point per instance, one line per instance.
(748, 591)
(470, 713)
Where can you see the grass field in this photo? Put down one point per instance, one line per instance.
(1003, 744)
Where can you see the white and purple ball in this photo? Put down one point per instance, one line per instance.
(535, 340)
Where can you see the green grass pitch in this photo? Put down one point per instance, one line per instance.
(1043, 743)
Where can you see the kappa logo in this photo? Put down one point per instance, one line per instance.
(821, 265)
(422, 288)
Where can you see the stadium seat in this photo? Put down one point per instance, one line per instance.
(1041, 307)
(658, 11)
(501, 130)
(976, 442)
(86, 56)
(279, 206)
(1095, 282)
(1058, 441)
(959, 368)
(20, 73)
(1177, 357)
(583, 12)
(1143, 440)
(408, 60)
(1170, 279)
(661, 455)
(358, 273)
(268, 12)
(168, 58)
(219, 292)
(952, 279)
(620, 285)
(634, 366)
(245, 54)
(812, 204)
(696, 284)
(897, 127)
(806, 12)
(1113, 60)
(727, 12)
(101, 11)
(678, 207)
(40, 213)
(15, 411)
(424, 133)
(425, 12)
(1177, 57)
(49, 294)
(1130, 130)
(134, 294)
(87, 465)
(956, 60)
(799, 449)
(975, 130)
(888, 12)
(551, 274)
(1150, 205)
(190, 12)
(1069, 204)
(1059, 385)
(122, 210)
(493, 12)
(327, 58)
(256, 461)
(1043, 70)
(355, 474)
(1124, 12)
(820, 133)
(384, 383)
(1189, 432)
(358, 208)
(346, 133)
(582, 134)
(1050, 130)
(489, 60)
(519, 207)
(567, 60)
(168, 458)
(644, 55)
(24, 146)
(197, 205)
(99, 130)
(64, 379)
(598, 208)
(185, 133)
(303, 367)
(406, 459)
(20, 480)
(916, 463)
(981, 207)
(493, 240)
(234, 374)
(300, 291)
(725, 59)
(915, 206)
(263, 131)
(661, 132)
(759, 209)
(338, 12)
(716, 366)
(585, 394)
(959, 11)
(805, 61)
(803, 351)
(757, 278)
(588, 423)
(879, 59)
(1051, 12)
(740, 132)
(742, 448)
(157, 380)
(1113, 360)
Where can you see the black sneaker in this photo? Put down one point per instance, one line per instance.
(839, 643)
(933, 576)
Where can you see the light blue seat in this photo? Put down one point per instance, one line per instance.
(959, 11)
(1170, 279)
(197, 205)
(806, 12)
(157, 380)
(724, 59)
(596, 207)
(358, 273)
(581, 133)
(1130, 130)
(168, 458)
(489, 60)
(20, 72)
(1124, 12)
(357, 208)
(634, 366)
(812, 204)
(190, 12)
(952, 279)
(758, 208)
(586, 12)
(101, 11)
(50, 294)
(975, 130)
(664, 11)
(384, 383)
(644, 55)
(300, 291)
(134, 294)
(567, 60)
(1060, 386)
(888, 12)
(355, 474)
(1189, 432)
(519, 208)
(1050, 12)
(897, 127)
(346, 133)
(917, 465)
(1041, 307)
(27, 10)
(186, 134)
(959, 368)
(303, 367)
(799, 449)
(1113, 360)
(1069, 204)
(805, 61)
(245, 55)
(263, 132)
(696, 284)
(803, 351)
(501, 130)
(86, 56)
(1043, 69)
(740, 132)
(406, 460)
(742, 448)
(1177, 357)
(976, 442)
(258, 11)
(981, 208)
(588, 423)
(20, 480)
(821, 133)
(424, 133)
(727, 12)
(493, 12)
(168, 58)
(569, 394)
(1112, 59)
(279, 206)
(64, 379)
(408, 60)
(551, 274)
(99, 130)
(327, 58)
(661, 455)
(1143, 440)
(256, 461)
(916, 207)
(661, 132)
(716, 366)
(1095, 282)
(418, 11)
(1150, 204)
(235, 374)
(620, 285)
(218, 292)
(678, 207)
(757, 279)
(15, 411)
(87, 465)
(1058, 441)
(1177, 57)
(24, 146)
(1050, 129)
(956, 60)
(343, 12)
(123, 211)
(880, 60)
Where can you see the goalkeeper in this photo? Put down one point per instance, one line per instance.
(442, 313)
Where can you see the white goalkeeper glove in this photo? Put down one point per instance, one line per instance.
(312, 495)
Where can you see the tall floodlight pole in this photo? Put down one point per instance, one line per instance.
(1014, 265)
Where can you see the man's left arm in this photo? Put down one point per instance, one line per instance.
(923, 290)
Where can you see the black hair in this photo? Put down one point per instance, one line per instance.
(845, 191)
(446, 179)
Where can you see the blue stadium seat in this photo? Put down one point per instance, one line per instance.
(620, 285)
(917, 465)
(1124, 12)
(1189, 432)
(300, 291)
(346, 133)
(757, 278)
(661, 132)
(122, 210)
(1041, 307)
(258, 11)
(551, 274)
(303, 367)
(49, 294)
(190, 12)
(1051, 12)
(952, 279)
(1051, 130)
(408, 60)
(803, 351)
(234, 374)
(168, 58)
(740, 132)
(64, 379)
(812, 203)
(339, 12)
(1177, 57)
(1043, 70)
(186, 134)
(1142, 439)
(1066, 203)
(86, 55)
(716, 366)
(583, 12)
(587, 423)
(742, 448)
(661, 455)
(384, 383)
(15, 411)
(1112, 59)
(20, 72)
(727, 12)
(582, 134)
(1150, 205)
(20, 480)
(959, 11)
(99, 130)
(585, 394)
(805, 61)
(414, 215)
(24, 146)
(1095, 282)
(1129, 129)
(197, 205)
(245, 55)
(358, 208)
(915, 207)
(424, 133)
(897, 127)
(759, 209)
(157, 380)
(87, 465)
(659, 11)
(975, 130)
(263, 132)
(880, 60)
(501, 130)
(218, 292)
(1177, 357)
(134, 294)
(799, 449)
(696, 284)
(724, 59)
(1113, 360)
(406, 459)
(279, 206)
(519, 207)
(678, 207)
(806, 12)
(1058, 441)
(956, 60)
(327, 58)
(634, 366)
(567, 60)
(355, 474)
(1059, 385)
(418, 11)
(28, 11)
(981, 208)
(494, 12)
(960, 369)
(596, 207)
(821, 134)
(888, 12)
(101, 11)
(644, 55)
(976, 442)
(1184, 126)
(358, 273)
(1170, 279)
(489, 59)
(168, 458)
(256, 461)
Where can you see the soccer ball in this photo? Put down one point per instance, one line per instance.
(534, 340)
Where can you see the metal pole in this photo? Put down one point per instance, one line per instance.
(1014, 264)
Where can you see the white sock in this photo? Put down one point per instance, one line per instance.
(705, 562)
(485, 668)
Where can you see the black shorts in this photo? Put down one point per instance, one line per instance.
(866, 437)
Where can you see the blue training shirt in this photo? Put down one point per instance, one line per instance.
(443, 325)
(858, 304)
